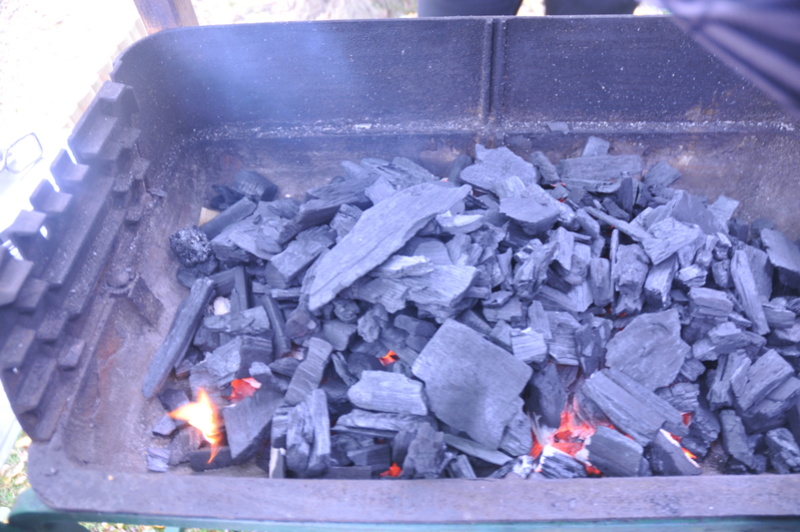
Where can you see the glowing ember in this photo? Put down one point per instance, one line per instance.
(687, 418)
(388, 358)
(676, 440)
(243, 388)
(536, 448)
(394, 471)
(202, 415)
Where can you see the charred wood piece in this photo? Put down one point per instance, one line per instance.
(667, 458)
(309, 372)
(614, 454)
(388, 392)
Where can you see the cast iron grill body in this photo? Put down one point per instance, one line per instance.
(188, 108)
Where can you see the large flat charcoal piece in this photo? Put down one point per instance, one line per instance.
(649, 349)
(768, 372)
(614, 454)
(784, 255)
(309, 373)
(709, 303)
(747, 293)
(730, 368)
(528, 346)
(494, 167)
(247, 422)
(667, 458)
(379, 423)
(472, 384)
(187, 319)
(388, 392)
(535, 210)
(382, 230)
(770, 413)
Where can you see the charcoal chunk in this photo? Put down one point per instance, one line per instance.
(426, 454)
(667, 458)
(477, 450)
(252, 321)
(629, 273)
(726, 338)
(784, 453)
(461, 468)
(165, 426)
(554, 463)
(562, 346)
(703, 431)
(546, 169)
(784, 255)
(376, 457)
(309, 373)
(649, 349)
(600, 281)
(472, 385)
(494, 166)
(247, 422)
(734, 438)
(528, 346)
(302, 251)
(768, 372)
(546, 396)
(518, 437)
(379, 232)
(747, 293)
(379, 423)
(233, 359)
(730, 368)
(600, 173)
(668, 237)
(157, 460)
(614, 454)
(190, 246)
(770, 413)
(235, 213)
(184, 325)
(388, 392)
(308, 436)
(658, 284)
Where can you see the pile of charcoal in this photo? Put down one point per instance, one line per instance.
(515, 318)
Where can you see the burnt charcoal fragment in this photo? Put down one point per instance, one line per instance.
(600, 281)
(546, 169)
(784, 255)
(477, 450)
(281, 344)
(254, 185)
(734, 438)
(562, 347)
(668, 237)
(285, 366)
(461, 468)
(309, 373)
(770, 413)
(494, 166)
(658, 285)
(703, 430)
(308, 445)
(252, 321)
(379, 423)
(635, 411)
(649, 349)
(518, 437)
(157, 459)
(614, 454)
(184, 325)
(747, 293)
(536, 212)
(376, 457)
(554, 463)
(190, 246)
(768, 372)
(600, 173)
(471, 384)
(629, 273)
(302, 251)
(247, 422)
(201, 460)
(426, 454)
(784, 453)
(667, 458)
(730, 368)
(388, 392)
(726, 338)
(546, 396)
(300, 323)
(165, 426)
(708, 303)
(233, 359)
(172, 398)
(185, 442)
(380, 232)
(235, 213)
(528, 346)
(659, 177)
(683, 396)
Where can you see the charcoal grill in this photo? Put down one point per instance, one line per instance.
(189, 107)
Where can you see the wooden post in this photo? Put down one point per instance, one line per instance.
(162, 14)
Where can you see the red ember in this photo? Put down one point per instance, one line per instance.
(243, 388)
(394, 471)
(388, 358)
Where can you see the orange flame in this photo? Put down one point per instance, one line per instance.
(388, 358)
(202, 415)
(243, 388)
(394, 471)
